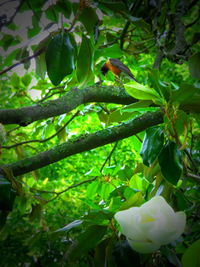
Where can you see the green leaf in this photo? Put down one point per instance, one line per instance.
(184, 93)
(89, 12)
(133, 201)
(141, 92)
(112, 51)
(194, 65)
(26, 79)
(98, 217)
(115, 6)
(15, 80)
(51, 14)
(41, 67)
(152, 145)
(158, 85)
(8, 40)
(84, 61)
(170, 162)
(7, 195)
(70, 226)
(135, 106)
(59, 58)
(191, 257)
(65, 7)
(35, 29)
(86, 241)
(93, 188)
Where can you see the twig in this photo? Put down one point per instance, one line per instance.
(65, 190)
(23, 60)
(109, 156)
(44, 140)
(194, 177)
(14, 14)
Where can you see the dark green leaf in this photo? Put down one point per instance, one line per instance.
(70, 226)
(191, 257)
(90, 23)
(35, 29)
(124, 255)
(9, 40)
(65, 7)
(184, 93)
(41, 67)
(86, 241)
(59, 58)
(170, 161)
(84, 61)
(52, 14)
(26, 79)
(152, 145)
(7, 195)
(194, 65)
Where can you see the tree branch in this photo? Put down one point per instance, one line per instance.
(72, 99)
(23, 60)
(85, 143)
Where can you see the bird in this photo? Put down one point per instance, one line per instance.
(117, 67)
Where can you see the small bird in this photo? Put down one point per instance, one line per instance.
(117, 67)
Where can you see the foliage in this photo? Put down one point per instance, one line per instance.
(77, 147)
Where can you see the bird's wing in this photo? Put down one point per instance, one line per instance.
(117, 63)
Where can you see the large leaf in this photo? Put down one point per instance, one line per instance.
(194, 65)
(152, 145)
(86, 241)
(184, 93)
(133, 201)
(7, 195)
(170, 162)
(191, 257)
(90, 23)
(142, 92)
(84, 61)
(59, 58)
(70, 226)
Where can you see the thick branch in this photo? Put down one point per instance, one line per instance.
(85, 143)
(72, 99)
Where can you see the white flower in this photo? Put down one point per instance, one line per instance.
(153, 224)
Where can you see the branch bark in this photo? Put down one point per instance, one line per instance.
(85, 143)
(72, 99)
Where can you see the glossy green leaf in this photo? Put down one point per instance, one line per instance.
(35, 29)
(194, 65)
(70, 226)
(41, 67)
(170, 161)
(7, 195)
(86, 241)
(184, 93)
(152, 145)
(84, 61)
(65, 7)
(112, 51)
(51, 14)
(133, 201)
(26, 79)
(191, 257)
(89, 12)
(141, 92)
(59, 58)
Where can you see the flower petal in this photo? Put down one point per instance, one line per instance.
(143, 247)
(129, 221)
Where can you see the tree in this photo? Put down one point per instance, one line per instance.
(62, 120)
